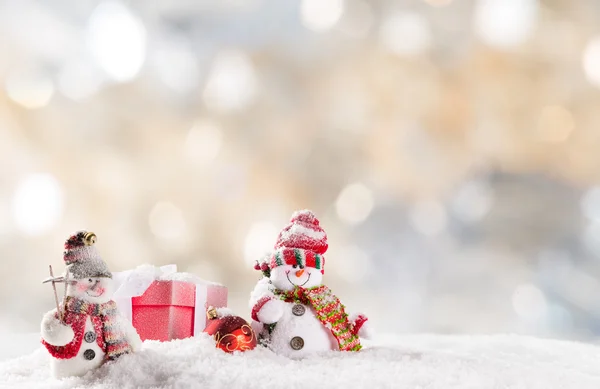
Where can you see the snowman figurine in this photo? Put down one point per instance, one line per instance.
(292, 311)
(87, 331)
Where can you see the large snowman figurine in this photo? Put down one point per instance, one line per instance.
(88, 330)
(292, 311)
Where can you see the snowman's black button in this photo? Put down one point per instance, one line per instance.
(89, 354)
(297, 343)
(90, 336)
(298, 310)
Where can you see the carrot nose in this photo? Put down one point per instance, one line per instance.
(299, 273)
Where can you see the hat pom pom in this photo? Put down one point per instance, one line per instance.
(305, 216)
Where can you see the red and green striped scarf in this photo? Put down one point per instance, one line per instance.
(114, 337)
(330, 311)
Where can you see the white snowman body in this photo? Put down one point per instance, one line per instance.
(298, 332)
(95, 290)
(90, 356)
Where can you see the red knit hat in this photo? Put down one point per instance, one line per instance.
(302, 242)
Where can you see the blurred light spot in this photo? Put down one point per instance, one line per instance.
(438, 3)
(5, 216)
(406, 34)
(529, 302)
(37, 204)
(177, 67)
(428, 217)
(231, 83)
(319, 15)
(35, 32)
(166, 221)
(117, 39)
(555, 124)
(29, 90)
(206, 269)
(259, 241)
(78, 80)
(203, 142)
(591, 61)
(473, 201)
(590, 204)
(349, 110)
(580, 289)
(560, 318)
(591, 238)
(505, 23)
(231, 181)
(354, 203)
(355, 265)
(357, 19)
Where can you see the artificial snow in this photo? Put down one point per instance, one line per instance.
(145, 274)
(187, 277)
(421, 361)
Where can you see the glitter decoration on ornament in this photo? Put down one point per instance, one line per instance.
(231, 333)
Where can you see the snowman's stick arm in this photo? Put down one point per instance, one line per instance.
(55, 295)
(66, 286)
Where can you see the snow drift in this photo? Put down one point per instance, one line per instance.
(422, 361)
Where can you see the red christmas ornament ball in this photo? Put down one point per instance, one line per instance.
(231, 333)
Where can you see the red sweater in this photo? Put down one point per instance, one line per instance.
(77, 322)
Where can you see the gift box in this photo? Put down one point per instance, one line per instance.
(163, 304)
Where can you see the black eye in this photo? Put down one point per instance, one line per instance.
(90, 280)
(295, 266)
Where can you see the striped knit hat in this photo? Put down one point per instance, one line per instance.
(82, 257)
(302, 242)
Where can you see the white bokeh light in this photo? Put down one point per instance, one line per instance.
(438, 3)
(166, 221)
(405, 34)
(176, 66)
(354, 267)
(319, 15)
(505, 23)
(79, 79)
(428, 217)
(555, 124)
(30, 90)
(590, 204)
(5, 217)
(591, 61)
(529, 302)
(117, 40)
(357, 19)
(472, 201)
(37, 204)
(354, 203)
(591, 238)
(260, 240)
(203, 142)
(231, 83)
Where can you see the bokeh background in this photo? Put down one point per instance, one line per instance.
(449, 148)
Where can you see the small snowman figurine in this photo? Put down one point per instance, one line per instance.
(87, 330)
(292, 311)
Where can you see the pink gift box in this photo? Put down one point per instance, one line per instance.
(163, 304)
(167, 309)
